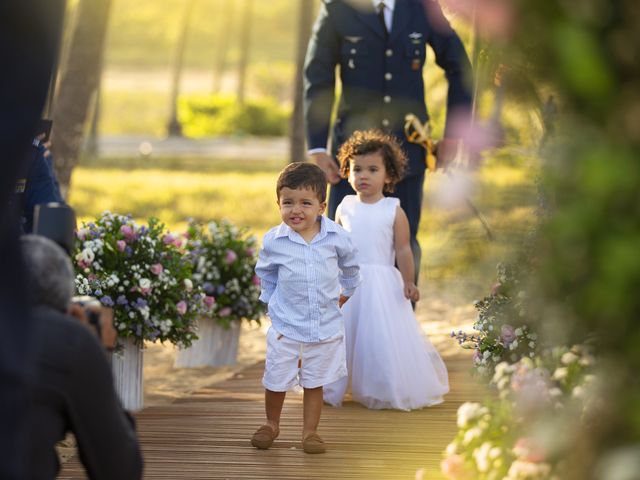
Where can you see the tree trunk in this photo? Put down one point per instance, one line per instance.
(78, 83)
(297, 151)
(174, 128)
(91, 148)
(224, 31)
(245, 43)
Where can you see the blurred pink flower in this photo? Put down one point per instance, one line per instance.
(453, 467)
(495, 19)
(157, 268)
(529, 450)
(224, 312)
(231, 257)
(181, 307)
(477, 356)
(128, 232)
(168, 238)
(495, 288)
(209, 302)
(255, 280)
(507, 334)
(121, 245)
(250, 251)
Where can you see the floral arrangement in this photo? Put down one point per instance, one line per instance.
(142, 272)
(495, 439)
(223, 259)
(500, 332)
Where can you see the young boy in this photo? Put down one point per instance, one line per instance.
(302, 264)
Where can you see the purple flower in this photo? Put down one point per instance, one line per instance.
(128, 251)
(231, 257)
(208, 287)
(121, 245)
(220, 289)
(138, 330)
(121, 300)
(507, 334)
(140, 302)
(224, 312)
(168, 238)
(181, 307)
(107, 301)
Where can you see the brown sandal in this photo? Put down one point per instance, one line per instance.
(313, 443)
(264, 437)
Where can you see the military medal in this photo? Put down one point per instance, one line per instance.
(415, 64)
(21, 185)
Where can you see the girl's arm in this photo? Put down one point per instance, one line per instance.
(404, 256)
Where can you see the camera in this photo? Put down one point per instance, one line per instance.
(92, 309)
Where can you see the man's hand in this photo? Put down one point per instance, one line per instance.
(446, 151)
(328, 166)
(411, 292)
(342, 300)
(104, 329)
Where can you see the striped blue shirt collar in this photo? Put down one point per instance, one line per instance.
(285, 230)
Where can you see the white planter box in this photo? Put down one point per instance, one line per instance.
(215, 346)
(127, 374)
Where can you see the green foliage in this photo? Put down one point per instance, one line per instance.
(205, 116)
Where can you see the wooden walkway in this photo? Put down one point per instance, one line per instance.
(206, 435)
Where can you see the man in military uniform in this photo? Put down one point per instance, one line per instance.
(380, 47)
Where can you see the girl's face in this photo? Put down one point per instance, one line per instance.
(368, 176)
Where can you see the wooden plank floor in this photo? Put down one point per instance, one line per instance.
(206, 435)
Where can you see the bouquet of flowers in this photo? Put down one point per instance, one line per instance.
(143, 273)
(501, 333)
(224, 258)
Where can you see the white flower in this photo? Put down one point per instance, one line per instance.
(471, 434)
(87, 255)
(469, 411)
(578, 392)
(560, 373)
(481, 456)
(144, 311)
(188, 284)
(144, 283)
(569, 358)
(519, 331)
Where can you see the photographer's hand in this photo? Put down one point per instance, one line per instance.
(104, 329)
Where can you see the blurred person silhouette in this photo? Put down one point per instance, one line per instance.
(73, 389)
(30, 32)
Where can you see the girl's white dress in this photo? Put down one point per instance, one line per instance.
(391, 363)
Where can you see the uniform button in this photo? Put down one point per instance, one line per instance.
(386, 99)
(417, 52)
(388, 76)
(388, 52)
(385, 123)
(353, 50)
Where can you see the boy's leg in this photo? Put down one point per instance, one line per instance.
(267, 433)
(311, 441)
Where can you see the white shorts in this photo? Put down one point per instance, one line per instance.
(290, 363)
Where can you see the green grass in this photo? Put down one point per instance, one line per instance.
(456, 251)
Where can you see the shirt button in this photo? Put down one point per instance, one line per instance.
(385, 122)
(353, 50)
(386, 99)
(388, 76)
(388, 52)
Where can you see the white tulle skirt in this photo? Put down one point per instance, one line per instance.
(391, 363)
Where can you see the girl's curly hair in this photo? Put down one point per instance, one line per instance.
(375, 141)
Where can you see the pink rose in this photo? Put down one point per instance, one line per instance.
(121, 245)
(527, 449)
(181, 307)
(224, 312)
(231, 257)
(128, 232)
(250, 251)
(209, 301)
(255, 280)
(168, 239)
(453, 467)
(157, 269)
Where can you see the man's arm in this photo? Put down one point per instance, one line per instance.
(106, 435)
(319, 91)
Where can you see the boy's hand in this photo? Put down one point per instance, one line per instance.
(342, 300)
(411, 292)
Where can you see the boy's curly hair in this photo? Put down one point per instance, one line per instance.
(375, 141)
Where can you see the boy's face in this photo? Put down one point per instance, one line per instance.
(300, 208)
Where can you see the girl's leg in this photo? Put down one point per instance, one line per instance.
(311, 410)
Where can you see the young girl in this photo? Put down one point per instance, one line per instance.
(390, 363)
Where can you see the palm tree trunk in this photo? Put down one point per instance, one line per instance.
(297, 151)
(174, 128)
(78, 83)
